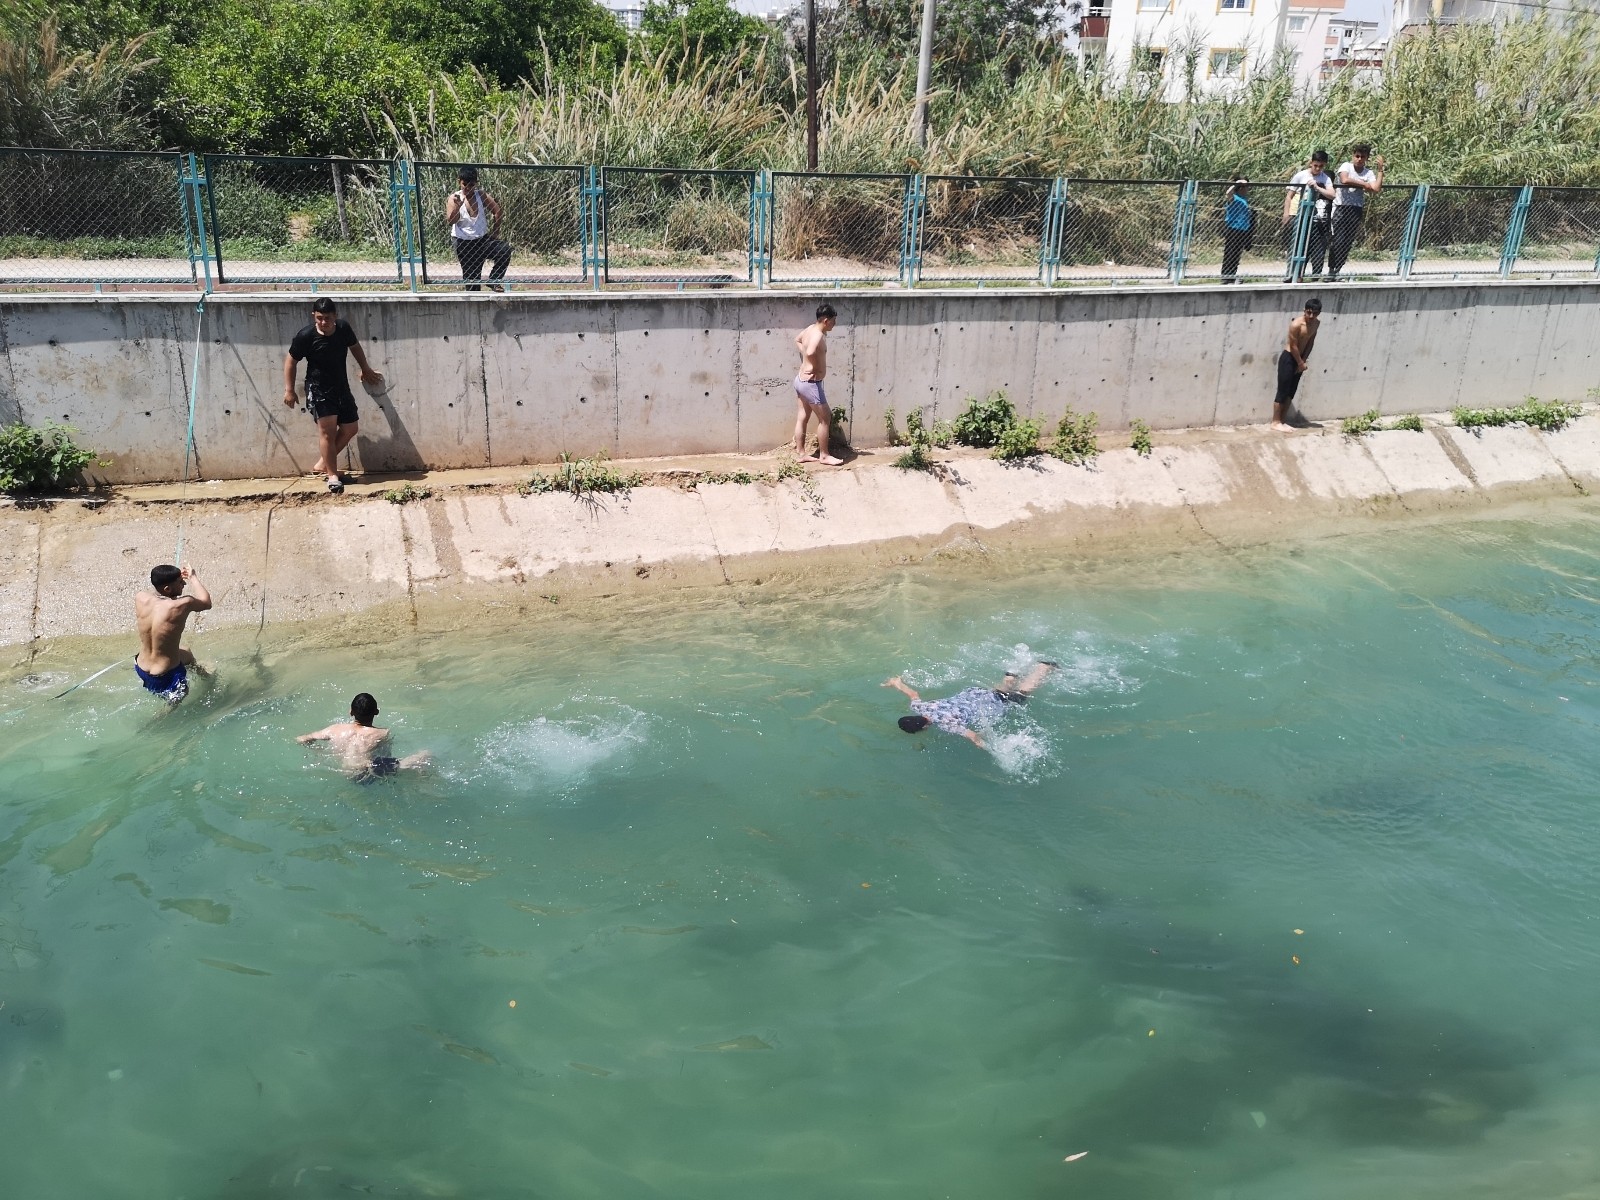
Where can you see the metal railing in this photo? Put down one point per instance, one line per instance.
(117, 219)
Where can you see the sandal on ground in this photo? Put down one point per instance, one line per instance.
(335, 486)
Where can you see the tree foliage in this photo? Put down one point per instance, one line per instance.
(701, 30)
(507, 40)
(51, 96)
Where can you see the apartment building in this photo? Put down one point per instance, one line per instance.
(1212, 46)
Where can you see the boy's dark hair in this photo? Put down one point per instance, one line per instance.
(323, 305)
(1319, 156)
(824, 311)
(914, 723)
(363, 708)
(1314, 305)
(1363, 148)
(468, 175)
(164, 576)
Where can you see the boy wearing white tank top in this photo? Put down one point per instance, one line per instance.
(474, 219)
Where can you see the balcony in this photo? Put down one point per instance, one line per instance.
(1096, 20)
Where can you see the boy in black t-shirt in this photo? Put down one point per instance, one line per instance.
(324, 345)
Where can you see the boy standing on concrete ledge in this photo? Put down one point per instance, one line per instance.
(1292, 361)
(324, 344)
(813, 343)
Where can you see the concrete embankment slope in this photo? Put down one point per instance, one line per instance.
(295, 554)
(485, 380)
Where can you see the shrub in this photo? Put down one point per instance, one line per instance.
(583, 477)
(1075, 438)
(248, 209)
(1548, 415)
(40, 459)
(1354, 427)
(1020, 440)
(983, 421)
(406, 493)
(1139, 438)
(1410, 421)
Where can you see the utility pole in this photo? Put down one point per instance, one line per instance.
(811, 84)
(924, 70)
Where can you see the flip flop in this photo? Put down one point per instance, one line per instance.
(335, 486)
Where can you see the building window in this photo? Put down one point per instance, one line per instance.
(1148, 61)
(1297, 24)
(1227, 63)
(1154, 5)
(1233, 5)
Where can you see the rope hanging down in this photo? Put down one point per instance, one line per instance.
(188, 444)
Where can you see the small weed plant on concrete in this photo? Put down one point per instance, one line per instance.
(1139, 438)
(919, 439)
(983, 422)
(40, 459)
(406, 493)
(583, 477)
(1410, 422)
(1018, 441)
(1548, 415)
(1076, 440)
(1354, 427)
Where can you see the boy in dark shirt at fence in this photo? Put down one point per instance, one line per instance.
(325, 344)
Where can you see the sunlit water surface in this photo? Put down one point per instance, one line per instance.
(1283, 888)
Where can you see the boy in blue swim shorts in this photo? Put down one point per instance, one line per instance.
(971, 709)
(162, 663)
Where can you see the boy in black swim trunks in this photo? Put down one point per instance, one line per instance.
(975, 706)
(324, 344)
(1294, 359)
(358, 742)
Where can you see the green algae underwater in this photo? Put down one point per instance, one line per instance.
(1283, 887)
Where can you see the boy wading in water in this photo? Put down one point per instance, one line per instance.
(162, 664)
(357, 743)
(1292, 361)
(813, 343)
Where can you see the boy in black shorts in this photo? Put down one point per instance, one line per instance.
(1292, 362)
(324, 344)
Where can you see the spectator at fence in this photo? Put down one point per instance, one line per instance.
(1314, 186)
(1353, 183)
(1238, 227)
(474, 218)
(325, 345)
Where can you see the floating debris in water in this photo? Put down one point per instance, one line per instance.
(748, 1042)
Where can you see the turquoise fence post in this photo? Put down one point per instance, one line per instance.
(1412, 235)
(1182, 229)
(1514, 230)
(194, 204)
(761, 228)
(403, 219)
(1055, 219)
(592, 218)
(1303, 216)
(916, 197)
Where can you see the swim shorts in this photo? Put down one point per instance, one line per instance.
(810, 390)
(1288, 378)
(171, 686)
(378, 768)
(323, 403)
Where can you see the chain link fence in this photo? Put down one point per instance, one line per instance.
(983, 228)
(103, 218)
(540, 229)
(679, 227)
(1115, 231)
(303, 220)
(1463, 232)
(1561, 233)
(90, 217)
(839, 228)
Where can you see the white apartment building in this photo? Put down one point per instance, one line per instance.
(1215, 45)
(1409, 15)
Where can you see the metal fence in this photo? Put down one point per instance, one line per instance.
(110, 219)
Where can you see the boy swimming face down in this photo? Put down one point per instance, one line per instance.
(974, 706)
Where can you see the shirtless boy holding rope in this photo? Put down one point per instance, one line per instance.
(162, 664)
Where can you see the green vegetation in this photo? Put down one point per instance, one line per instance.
(1076, 440)
(1354, 427)
(1548, 415)
(1410, 421)
(40, 459)
(583, 477)
(983, 422)
(1139, 438)
(1020, 440)
(406, 493)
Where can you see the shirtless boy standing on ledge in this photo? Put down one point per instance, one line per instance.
(813, 344)
(162, 663)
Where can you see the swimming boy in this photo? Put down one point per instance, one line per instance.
(1293, 360)
(162, 663)
(813, 344)
(975, 706)
(357, 743)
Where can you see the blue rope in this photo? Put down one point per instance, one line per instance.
(188, 445)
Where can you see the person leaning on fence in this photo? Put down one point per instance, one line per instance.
(1238, 227)
(1310, 185)
(1353, 182)
(474, 219)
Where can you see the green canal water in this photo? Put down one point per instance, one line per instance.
(1283, 888)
